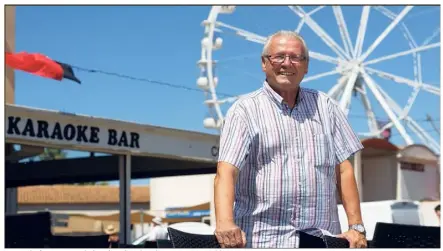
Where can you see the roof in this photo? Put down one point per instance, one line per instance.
(78, 194)
(377, 143)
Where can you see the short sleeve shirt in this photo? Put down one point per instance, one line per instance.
(286, 160)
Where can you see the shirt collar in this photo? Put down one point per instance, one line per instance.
(274, 96)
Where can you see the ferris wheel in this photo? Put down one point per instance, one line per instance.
(352, 66)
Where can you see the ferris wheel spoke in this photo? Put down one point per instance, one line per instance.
(425, 137)
(403, 27)
(426, 87)
(403, 53)
(321, 75)
(300, 25)
(412, 44)
(392, 16)
(372, 122)
(434, 35)
(302, 21)
(416, 58)
(315, 10)
(414, 126)
(250, 36)
(396, 108)
(371, 84)
(320, 32)
(347, 92)
(362, 30)
(408, 35)
(344, 33)
(416, 90)
(388, 29)
(385, 11)
(323, 57)
(336, 90)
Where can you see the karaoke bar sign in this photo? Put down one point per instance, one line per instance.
(38, 129)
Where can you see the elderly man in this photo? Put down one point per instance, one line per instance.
(283, 154)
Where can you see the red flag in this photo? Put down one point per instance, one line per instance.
(40, 65)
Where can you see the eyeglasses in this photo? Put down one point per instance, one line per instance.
(278, 59)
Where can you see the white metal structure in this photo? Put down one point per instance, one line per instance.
(352, 66)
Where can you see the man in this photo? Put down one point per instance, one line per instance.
(113, 238)
(283, 153)
(158, 232)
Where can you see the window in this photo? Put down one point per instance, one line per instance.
(412, 167)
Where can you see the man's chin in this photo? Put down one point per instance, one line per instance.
(285, 83)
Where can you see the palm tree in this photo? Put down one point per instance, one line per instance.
(52, 154)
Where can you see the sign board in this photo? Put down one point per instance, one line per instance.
(78, 132)
(68, 132)
(187, 214)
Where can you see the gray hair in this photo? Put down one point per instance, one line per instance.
(285, 33)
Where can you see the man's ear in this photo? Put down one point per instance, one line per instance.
(263, 64)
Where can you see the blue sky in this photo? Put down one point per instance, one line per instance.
(163, 44)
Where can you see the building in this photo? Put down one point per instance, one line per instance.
(83, 208)
(383, 171)
(79, 199)
(389, 172)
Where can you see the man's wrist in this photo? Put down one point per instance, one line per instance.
(359, 228)
(226, 220)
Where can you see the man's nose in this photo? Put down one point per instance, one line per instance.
(287, 61)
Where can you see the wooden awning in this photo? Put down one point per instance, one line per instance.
(136, 217)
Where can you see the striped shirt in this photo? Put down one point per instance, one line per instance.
(286, 161)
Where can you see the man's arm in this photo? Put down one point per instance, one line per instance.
(347, 188)
(224, 184)
(346, 143)
(235, 143)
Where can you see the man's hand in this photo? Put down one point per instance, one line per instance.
(356, 239)
(230, 236)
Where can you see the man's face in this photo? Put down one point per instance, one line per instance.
(285, 75)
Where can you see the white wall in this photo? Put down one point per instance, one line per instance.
(419, 185)
(180, 191)
(379, 178)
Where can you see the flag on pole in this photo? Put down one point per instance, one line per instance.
(40, 65)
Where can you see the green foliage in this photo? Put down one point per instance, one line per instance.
(52, 154)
